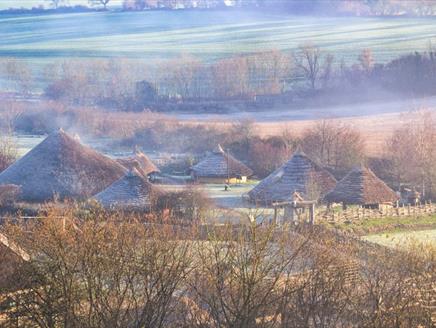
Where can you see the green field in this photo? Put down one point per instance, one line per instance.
(402, 239)
(206, 34)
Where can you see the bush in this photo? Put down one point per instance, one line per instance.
(9, 194)
(8, 152)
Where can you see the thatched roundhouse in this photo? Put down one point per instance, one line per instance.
(300, 174)
(361, 187)
(132, 192)
(141, 163)
(220, 167)
(60, 166)
(11, 257)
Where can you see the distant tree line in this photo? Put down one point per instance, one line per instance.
(346, 7)
(330, 7)
(305, 75)
(56, 4)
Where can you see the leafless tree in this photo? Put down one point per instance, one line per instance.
(56, 3)
(366, 60)
(412, 151)
(8, 151)
(104, 3)
(334, 144)
(20, 74)
(99, 274)
(309, 61)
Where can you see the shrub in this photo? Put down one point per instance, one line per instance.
(9, 194)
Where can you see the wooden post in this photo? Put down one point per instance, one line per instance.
(312, 214)
(275, 215)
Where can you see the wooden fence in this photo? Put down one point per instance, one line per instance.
(357, 213)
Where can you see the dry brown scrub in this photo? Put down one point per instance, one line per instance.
(375, 130)
(111, 270)
(45, 116)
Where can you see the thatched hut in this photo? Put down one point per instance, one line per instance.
(11, 257)
(300, 174)
(132, 192)
(361, 187)
(141, 163)
(61, 167)
(220, 167)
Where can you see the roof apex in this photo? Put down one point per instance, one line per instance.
(218, 149)
(133, 172)
(136, 150)
(299, 151)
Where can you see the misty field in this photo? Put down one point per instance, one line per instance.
(402, 239)
(207, 34)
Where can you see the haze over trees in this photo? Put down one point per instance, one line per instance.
(347, 7)
(301, 77)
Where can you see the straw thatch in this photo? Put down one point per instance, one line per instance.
(131, 192)
(300, 174)
(361, 187)
(220, 164)
(62, 167)
(140, 162)
(11, 259)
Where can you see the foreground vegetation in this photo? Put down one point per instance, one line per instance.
(98, 269)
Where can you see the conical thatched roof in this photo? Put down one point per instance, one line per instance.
(140, 162)
(300, 174)
(361, 187)
(131, 192)
(215, 166)
(61, 166)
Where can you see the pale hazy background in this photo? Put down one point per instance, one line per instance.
(4, 4)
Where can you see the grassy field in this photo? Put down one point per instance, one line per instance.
(402, 239)
(389, 225)
(207, 34)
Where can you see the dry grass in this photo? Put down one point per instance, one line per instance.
(376, 129)
(97, 122)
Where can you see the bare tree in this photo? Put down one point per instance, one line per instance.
(412, 151)
(309, 61)
(240, 276)
(8, 151)
(111, 274)
(56, 3)
(103, 3)
(334, 144)
(327, 73)
(97, 269)
(19, 72)
(230, 77)
(366, 60)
